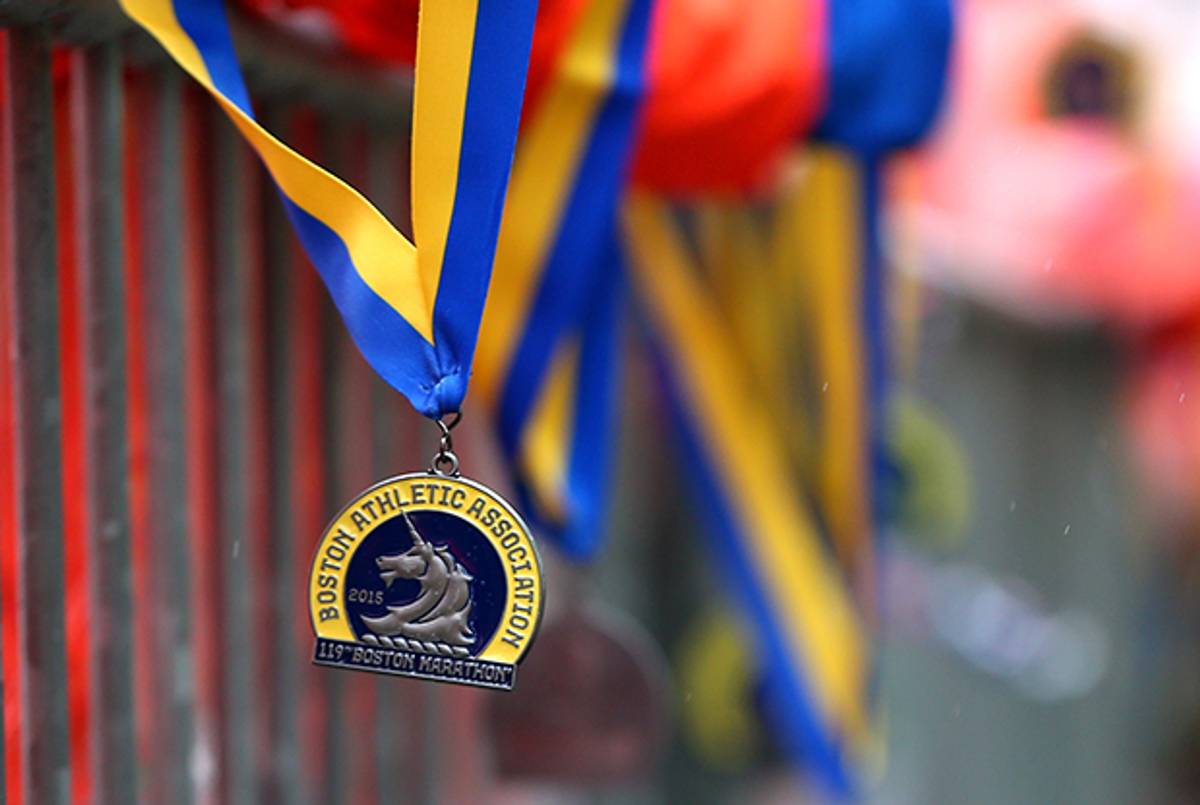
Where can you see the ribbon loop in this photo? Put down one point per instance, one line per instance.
(412, 307)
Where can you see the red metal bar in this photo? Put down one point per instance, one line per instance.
(10, 627)
(200, 450)
(79, 623)
(149, 672)
(97, 127)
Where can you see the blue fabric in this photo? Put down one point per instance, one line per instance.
(873, 315)
(594, 443)
(887, 72)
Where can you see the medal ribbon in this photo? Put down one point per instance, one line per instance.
(806, 628)
(789, 293)
(412, 307)
(566, 447)
(547, 351)
(759, 298)
(886, 79)
(818, 234)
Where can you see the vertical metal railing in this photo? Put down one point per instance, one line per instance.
(98, 122)
(281, 777)
(210, 759)
(218, 414)
(236, 218)
(34, 352)
(160, 241)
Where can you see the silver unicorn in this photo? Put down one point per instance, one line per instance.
(436, 620)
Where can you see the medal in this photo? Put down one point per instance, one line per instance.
(427, 575)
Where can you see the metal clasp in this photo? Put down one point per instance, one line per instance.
(445, 462)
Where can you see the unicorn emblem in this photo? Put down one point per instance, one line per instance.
(436, 621)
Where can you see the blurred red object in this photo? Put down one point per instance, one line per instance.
(1054, 187)
(1163, 411)
(730, 84)
(593, 709)
(374, 29)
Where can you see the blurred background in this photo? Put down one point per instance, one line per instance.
(947, 253)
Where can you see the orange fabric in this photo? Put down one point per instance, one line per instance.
(732, 84)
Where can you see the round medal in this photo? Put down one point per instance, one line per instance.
(427, 575)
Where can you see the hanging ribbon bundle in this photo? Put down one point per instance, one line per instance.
(546, 365)
(816, 243)
(807, 634)
(788, 319)
(785, 277)
(546, 361)
(824, 255)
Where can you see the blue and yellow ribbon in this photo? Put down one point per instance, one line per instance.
(887, 75)
(565, 451)
(817, 242)
(786, 279)
(546, 362)
(807, 631)
(412, 307)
